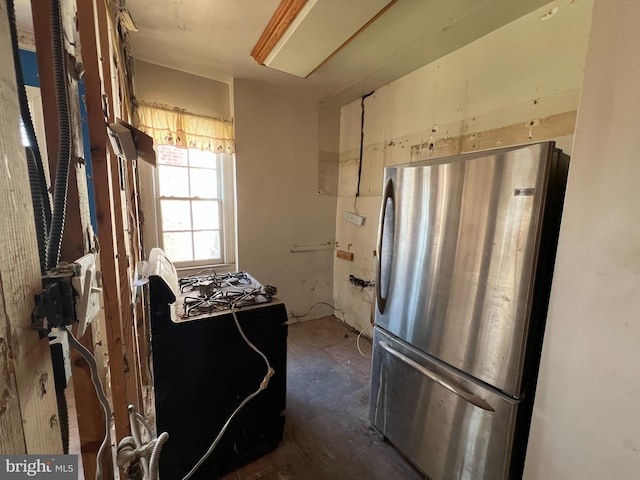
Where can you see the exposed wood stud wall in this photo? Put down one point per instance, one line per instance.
(138, 326)
(121, 329)
(90, 419)
(119, 335)
(28, 412)
(97, 67)
(127, 215)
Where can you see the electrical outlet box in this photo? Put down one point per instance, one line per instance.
(354, 218)
(122, 141)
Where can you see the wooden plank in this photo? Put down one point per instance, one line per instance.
(534, 130)
(28, 407)
(126, 260)
(344, 255)
(286, 13)
(91, 26)
(12, 438)
(123, 240)
(142, 345)
(131, 243)
(89, 411)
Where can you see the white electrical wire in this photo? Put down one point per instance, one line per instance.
(145, 424)
(335, 309)
(97, 384)
(358, 341)
(137, 438)
(263, 386)
(314, 306)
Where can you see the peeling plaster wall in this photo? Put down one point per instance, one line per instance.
(518, 84)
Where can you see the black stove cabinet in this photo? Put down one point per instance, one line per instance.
(202, 371)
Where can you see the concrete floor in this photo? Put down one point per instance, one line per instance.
(327, 434)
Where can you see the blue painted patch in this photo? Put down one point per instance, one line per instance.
(29, 63)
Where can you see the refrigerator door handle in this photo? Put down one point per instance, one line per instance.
(467, 396)
(383, 283)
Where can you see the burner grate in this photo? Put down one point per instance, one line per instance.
(215, 281)
(213, 293)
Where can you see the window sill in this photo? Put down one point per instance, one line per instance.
(185, 271)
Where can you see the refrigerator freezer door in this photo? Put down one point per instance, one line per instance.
(458, 274)
(449, 426)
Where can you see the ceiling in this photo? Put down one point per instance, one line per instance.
(214, 38)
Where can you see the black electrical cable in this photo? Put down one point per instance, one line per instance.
(54, 243)
(63, 415)
(38, 207)
(37, 181)
(359, 282)
(361, 140)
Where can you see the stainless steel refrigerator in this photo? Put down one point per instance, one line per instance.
(466, 250)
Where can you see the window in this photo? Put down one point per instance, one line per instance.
(194, 205)
(188, 197)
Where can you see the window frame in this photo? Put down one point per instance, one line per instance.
(226, 210)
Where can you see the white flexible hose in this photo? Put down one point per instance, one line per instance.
(145, 424)
(155, 455)
(135, 433)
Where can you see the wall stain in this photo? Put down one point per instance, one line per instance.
(4, 401)
(43, 384)
(631, 446)
(5, 358)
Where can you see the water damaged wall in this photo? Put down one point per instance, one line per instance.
(516, 85)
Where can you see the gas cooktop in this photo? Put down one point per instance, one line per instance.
(219, 293)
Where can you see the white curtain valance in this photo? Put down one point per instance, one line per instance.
(173, 127)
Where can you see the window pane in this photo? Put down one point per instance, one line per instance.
(170, 155)
(204, 183)
(175, 215)
(206, 245)
(190, 204)
(206, 215)
(177, 246)
(174, 181)
(202, 158)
